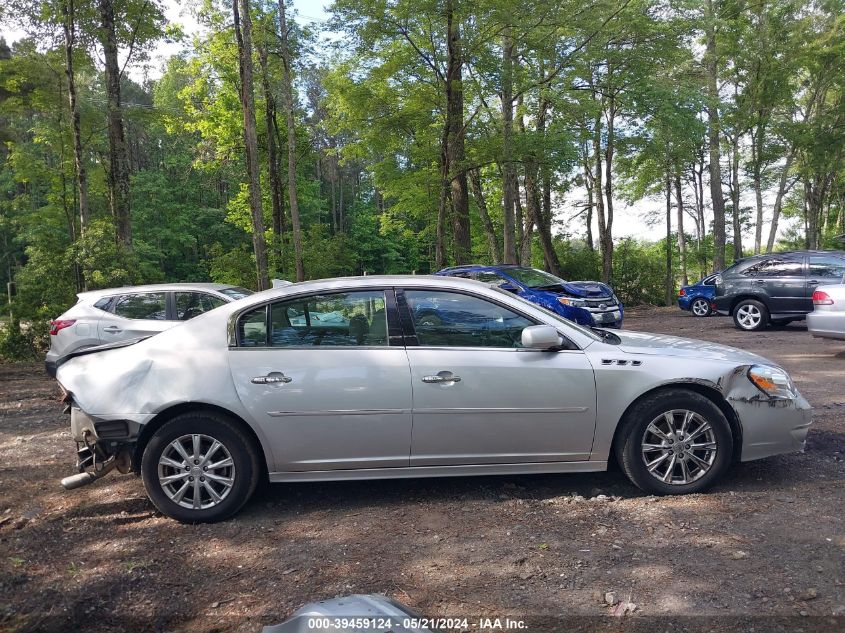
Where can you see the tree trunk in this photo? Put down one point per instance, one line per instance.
(670, 280)
(455, 116)
(118, 159)
(508, 197)
(443, 201)
(243, 35)
(287, 98)
(758, 189)
(607, 234)
(589, 185)
(518, 219)
(597, 183)
(272, 150)
(713, 133)
(69, 26)
(682, 240)
(737, 214)
(486, 222)
(783, 187)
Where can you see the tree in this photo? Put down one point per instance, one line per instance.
(711, 68)
(243, 34)
(287, 97)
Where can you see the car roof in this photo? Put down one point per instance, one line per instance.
(152, 288)
(480, 266)
(778, 254)
(366, 281)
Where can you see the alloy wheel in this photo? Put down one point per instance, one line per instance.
(749, 316)
(196, 471)
(679, 447)
(700, 307)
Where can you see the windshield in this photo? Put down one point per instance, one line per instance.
(236, 292)
(555, 317)
(533, 278)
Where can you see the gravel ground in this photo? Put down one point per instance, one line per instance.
(763, 551)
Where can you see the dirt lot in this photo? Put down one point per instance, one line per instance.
(765, 549)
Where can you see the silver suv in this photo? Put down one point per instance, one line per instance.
(118, 314)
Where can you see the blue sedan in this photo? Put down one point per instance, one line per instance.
(588, 303)
(697, 297)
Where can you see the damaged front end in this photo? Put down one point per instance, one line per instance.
(101, 445)
(775, 417)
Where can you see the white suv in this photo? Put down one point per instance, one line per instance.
(118, 314)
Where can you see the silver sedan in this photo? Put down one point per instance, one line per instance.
(414, 377)
(827, 320)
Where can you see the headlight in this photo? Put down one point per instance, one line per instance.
(772, 381)
(569, 301)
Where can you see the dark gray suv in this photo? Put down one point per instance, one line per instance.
(775, 288)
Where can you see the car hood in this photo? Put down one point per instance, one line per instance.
(664, 345)
(586, 289)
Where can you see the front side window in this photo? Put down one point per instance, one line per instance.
(450, 319)
(827, 266)
(147, 305)
(191, 304)
(776, 267)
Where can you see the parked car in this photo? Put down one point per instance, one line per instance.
(776, 288)
(118, 314)
(249, 392)
(827, 320)
(589, 303)
(696, 298)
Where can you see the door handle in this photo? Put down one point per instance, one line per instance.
(813, 282)
(113, 329)
(759, 281)
(441, 377)
(273, 378)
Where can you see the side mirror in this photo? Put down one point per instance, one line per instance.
(542, 337)
(509, 287)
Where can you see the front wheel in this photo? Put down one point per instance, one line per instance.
(751, 315)
(200, 468)
(700, 307)
(674, 442)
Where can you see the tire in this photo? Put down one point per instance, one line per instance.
(233, 481)
(700, 307)
(705, 423)
(751, 315)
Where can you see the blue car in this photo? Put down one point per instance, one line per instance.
(588, 303)
(698, 297)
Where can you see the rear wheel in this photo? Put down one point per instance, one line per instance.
(700, 307)
(199, 468)
(674, 442)
(751, 315)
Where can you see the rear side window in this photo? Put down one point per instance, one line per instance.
(827, 266)
(776, 267)
(149, 305)
(104, 304)
(342, 319)
(330, 320)
(191, 304)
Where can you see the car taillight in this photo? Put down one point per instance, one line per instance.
(821, 298)
(60, 324)
(682, 292)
